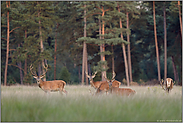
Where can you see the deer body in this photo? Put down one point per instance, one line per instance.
(122, 91)
(104, 86)
(116, 90)
(92, 83)
(49, 86)
(95, 84)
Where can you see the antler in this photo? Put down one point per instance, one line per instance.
(46, 68)
(91, 76)
(113, 75)
(32, 72)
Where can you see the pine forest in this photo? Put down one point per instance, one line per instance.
(141, 41)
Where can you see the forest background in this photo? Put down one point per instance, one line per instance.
(74, 37)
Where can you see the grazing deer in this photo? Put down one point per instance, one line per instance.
(117, 90)
(168, 83)
(48, 86)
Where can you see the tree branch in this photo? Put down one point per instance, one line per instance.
(4, 38)
(16, 66)
(13, 29)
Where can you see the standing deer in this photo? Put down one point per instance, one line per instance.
(168, 83)
(104, 86)
(48, 86)
(115, 90)
(92, 83)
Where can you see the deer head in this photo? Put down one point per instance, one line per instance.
(38, 78)
(110, 81)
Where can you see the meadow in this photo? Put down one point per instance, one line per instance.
(31, 104)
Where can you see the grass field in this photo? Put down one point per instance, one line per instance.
(149, 104)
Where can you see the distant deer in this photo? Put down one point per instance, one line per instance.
(48, 86)
(115, 90)
(168, 84)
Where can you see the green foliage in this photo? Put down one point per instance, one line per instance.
(65, 75)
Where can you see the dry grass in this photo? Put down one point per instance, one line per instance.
(149, 104)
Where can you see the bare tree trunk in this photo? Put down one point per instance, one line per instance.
(25, 66)
(21, 74)
(129, 52)
(20, 66)
(41, 43)
(7, 47)
(180, 16)
(156, 43)
(103, 47)
(165, 44)
(124, 53)
(55, 56)
(84, 63)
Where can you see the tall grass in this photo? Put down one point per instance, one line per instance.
(149, 104)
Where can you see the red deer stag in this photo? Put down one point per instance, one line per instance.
(168, 83)
(48, 86)
(117, 90)
(92, 83)
(104, 86)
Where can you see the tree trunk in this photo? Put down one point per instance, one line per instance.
(165, 44)
(41, 43)
(85, 55)
(124, 54)
(21, 74)
(156, 43)
(84, 63)
(180, 16)
(25, 65)
(129, 52)
(112, 58)
(7, 49)
(55, 56)
(103, 47)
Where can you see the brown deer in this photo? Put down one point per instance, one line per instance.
(92, 83)
(104, 86)
(168, 83)
(48, 86)
(115, 90)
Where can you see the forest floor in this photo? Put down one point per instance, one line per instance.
(31, 104)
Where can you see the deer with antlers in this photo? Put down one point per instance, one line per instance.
(92, 83)
(168, 83)
(48, 86)
(116, 90)
(104, 86)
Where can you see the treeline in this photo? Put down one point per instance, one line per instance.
(104, 36)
